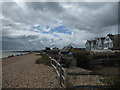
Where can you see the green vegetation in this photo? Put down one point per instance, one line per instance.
(107, 70)
(115, 82)
(110, 77)
(65, 56)
(43, 60)
(82, 57)
(112, 81)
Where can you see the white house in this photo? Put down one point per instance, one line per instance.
(100, 43)
(108, 42)
(88, 45)
(93, 44)
(104, 43)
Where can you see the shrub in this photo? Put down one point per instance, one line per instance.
(82, 59)
(43, 60)
(112, 82)
(116, 82)
(110, 77)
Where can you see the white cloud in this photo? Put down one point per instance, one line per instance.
(84, 20)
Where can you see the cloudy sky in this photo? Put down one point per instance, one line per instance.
(36, 25)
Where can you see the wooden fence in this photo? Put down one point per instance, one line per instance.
(61, 72)
(105, 59)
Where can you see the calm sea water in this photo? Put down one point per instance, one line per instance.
(9, 53)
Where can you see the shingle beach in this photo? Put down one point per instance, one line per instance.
(23, 72)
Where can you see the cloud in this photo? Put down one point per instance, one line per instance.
(45, 6)
(35, 25)
(82, 16)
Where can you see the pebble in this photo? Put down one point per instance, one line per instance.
(25, 73)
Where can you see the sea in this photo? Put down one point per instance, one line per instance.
(4, 54)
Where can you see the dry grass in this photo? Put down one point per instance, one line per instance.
(43, 60)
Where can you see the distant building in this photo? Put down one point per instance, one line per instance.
(78, 48)
(108, 42)
(116, 42)
(93, 44)
(47, 48)
(64, 51)
(104, 43)
(68, 47)
(55, 48)
(88, 45)
(100, 43)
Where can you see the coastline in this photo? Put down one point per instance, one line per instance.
(23, 72)
(12, 54)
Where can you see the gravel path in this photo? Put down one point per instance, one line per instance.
(78, 80)
(22, 72)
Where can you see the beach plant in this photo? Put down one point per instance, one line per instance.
(111, 79)
(43, 60)
(111, 82)
(82, 58)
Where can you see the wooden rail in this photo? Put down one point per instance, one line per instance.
(61, 72)
(83, 73)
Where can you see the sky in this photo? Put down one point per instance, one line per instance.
(36, 25)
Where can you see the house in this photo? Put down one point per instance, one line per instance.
(108, 42)
(93, 44)
(64, 51)
(68, 47)
(66, 58)
(47, 48)
(96, 44)
(88, 45)
(78, 49)
(55, 48)
(100, 43)
(116, 42)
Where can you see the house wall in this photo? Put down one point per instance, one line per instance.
(116, 42)
(108, 43)
(88, 46)
(103, 44)
(98, 44)
(93, 46)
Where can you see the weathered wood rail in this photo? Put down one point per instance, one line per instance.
(105, 59)
(83, 73)
(61, 72)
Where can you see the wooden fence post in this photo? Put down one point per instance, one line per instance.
(51, 62)
(62, 72)
(60, 78)
(65, 75)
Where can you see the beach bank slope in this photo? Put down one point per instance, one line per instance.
(22, 72)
